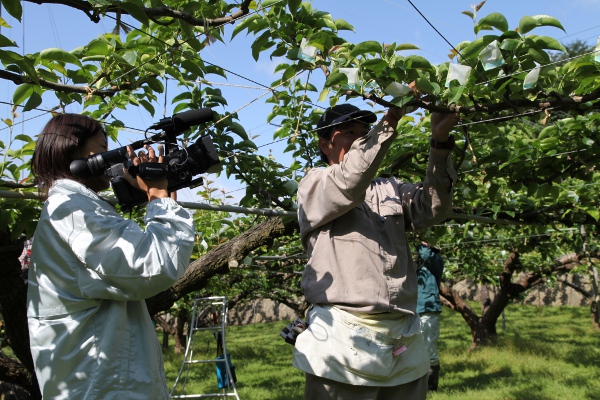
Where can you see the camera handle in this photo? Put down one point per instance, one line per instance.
(148, 171)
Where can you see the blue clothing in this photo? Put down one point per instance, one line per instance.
(429, 276)
(91, 270)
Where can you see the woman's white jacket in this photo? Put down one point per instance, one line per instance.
(90, 272)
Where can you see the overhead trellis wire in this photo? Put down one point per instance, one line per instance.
(9, 194)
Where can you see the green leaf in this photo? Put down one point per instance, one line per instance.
(417, 62)
(98, 47)
(193, 67)
(496, 20)
(549, 143)
(293, 6)
(180, 107)
(323, 95)
(260, 43)
(213, 69)
(510, 44)
(425, 86)
(14, 8)
(60, 55)
(457, 95)
(336, 78)
(155, 85)
(239, 130)
(546, 20)
(4, 24)
(406, 46)
(27, 66)
(342, 25)
(22, 93)
(587, 141)
(328, 21)
(292, 54)
(548, 131)
(24, 138)
(130, 57)
(593, 212)
(246, 145)
(321, 40)
(34, 100)
(182, 96)
(526, 24)
(148, 106)
(93, 58)
(473, 49)
(279, 51)
(538, 55)
(546, 42)
(510, 35)
(367, 47)
(218, 99)
(375, 64)
(245, 23)
(6, 42)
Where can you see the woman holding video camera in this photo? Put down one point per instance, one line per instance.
(90, 332)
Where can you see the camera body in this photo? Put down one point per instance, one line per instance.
(179, 167)
(180, 164)
(292, 330)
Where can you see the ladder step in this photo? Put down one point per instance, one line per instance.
(204, 361)
(199, 396)
(210, 328)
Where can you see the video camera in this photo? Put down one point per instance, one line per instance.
(179, 167)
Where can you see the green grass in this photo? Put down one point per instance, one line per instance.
(552, 353)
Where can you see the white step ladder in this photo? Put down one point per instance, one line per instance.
(209, 319)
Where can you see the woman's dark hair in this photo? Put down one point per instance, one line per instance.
(56, 146)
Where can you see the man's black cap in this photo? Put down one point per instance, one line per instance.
(342, 113)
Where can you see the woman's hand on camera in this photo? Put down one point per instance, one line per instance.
(155, 188)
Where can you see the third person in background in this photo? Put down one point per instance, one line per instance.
(430, 267)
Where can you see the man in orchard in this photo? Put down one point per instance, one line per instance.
(430, 268)
(363, 339)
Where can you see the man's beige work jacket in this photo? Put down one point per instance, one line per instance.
(354, 227)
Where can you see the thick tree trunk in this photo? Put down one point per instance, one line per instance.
(595, 313)
(483, 335)
(450, 298)
(13, 300)
(485, 298)
(594, 306)
(13, 303)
